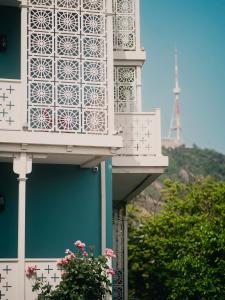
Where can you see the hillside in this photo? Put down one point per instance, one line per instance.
(185, 164)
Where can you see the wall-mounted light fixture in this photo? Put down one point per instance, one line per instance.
(3, 42)
(2, 203)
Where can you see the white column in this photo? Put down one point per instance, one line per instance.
(103, 207)
(137, 25)
(23, 62)
(22, 165)
(103, 219)
(139, 89)
(110, 79)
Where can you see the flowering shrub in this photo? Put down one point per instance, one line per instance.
(84, 276)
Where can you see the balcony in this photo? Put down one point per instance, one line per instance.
(140, 161)
(87, 142)
(61, 106)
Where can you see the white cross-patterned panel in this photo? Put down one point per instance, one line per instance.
(125, 99)
(140, 132)
(8, 280)
(47, 271)
(67, 66)
(10, 93)
(124, 25)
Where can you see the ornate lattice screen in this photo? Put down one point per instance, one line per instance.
(124, 24)
(119, 241)
(125, 89)
(67, 66)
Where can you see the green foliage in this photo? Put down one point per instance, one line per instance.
(84, 277)
(180, 252)
(185, 164)
(196, 162)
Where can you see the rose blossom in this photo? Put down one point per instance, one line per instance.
(111, 271)
(80, 245)
(31, 271)
(109, 253)
(62, 262)
(85, 254)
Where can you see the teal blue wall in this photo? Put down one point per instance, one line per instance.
(63, 205)
(108, 167)
(8, 217)
(10, 26)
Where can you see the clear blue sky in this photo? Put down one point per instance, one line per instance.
(197, 28)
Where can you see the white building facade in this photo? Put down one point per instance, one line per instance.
(70, 118)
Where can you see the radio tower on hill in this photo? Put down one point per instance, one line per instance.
(175, 125)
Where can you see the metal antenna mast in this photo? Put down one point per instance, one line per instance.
(175, 126)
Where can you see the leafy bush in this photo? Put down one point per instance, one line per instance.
(84, 276)
(180, 252)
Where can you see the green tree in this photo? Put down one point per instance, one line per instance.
(180, 252)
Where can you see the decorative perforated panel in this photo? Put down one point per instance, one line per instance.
(47, 271)
(125, 89)
(10, 93)
(124, 24)
(118, 246)
(67, 63)
(8, 280)
(140, 132)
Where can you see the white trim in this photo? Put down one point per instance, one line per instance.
(103, 207)
(10, 80)
(23, 63)
(139, 89)
(130, 57)
(137, 24)
(22, 165)
(8, 260)
(50, 138)
(110, 86)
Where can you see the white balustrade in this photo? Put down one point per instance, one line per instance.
(141, 133)
(47, 271)
(10, 106)
(8, 279)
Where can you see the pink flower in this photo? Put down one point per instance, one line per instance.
(85, 254)
(31, 271)
(62, 262)
(80, 245)
(109, 253)
(70, 256)
(111, 271)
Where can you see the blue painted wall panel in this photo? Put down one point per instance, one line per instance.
(9, 216)
(10, 26)
(63, 205)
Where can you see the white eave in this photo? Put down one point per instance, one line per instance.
(60, 148)
(132, 174)
(131, 58)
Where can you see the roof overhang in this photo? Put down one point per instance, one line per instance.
(131, 175)
(64, 148)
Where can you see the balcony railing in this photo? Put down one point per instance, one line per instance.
(141, 133)
(47, 271)
(10, 107)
